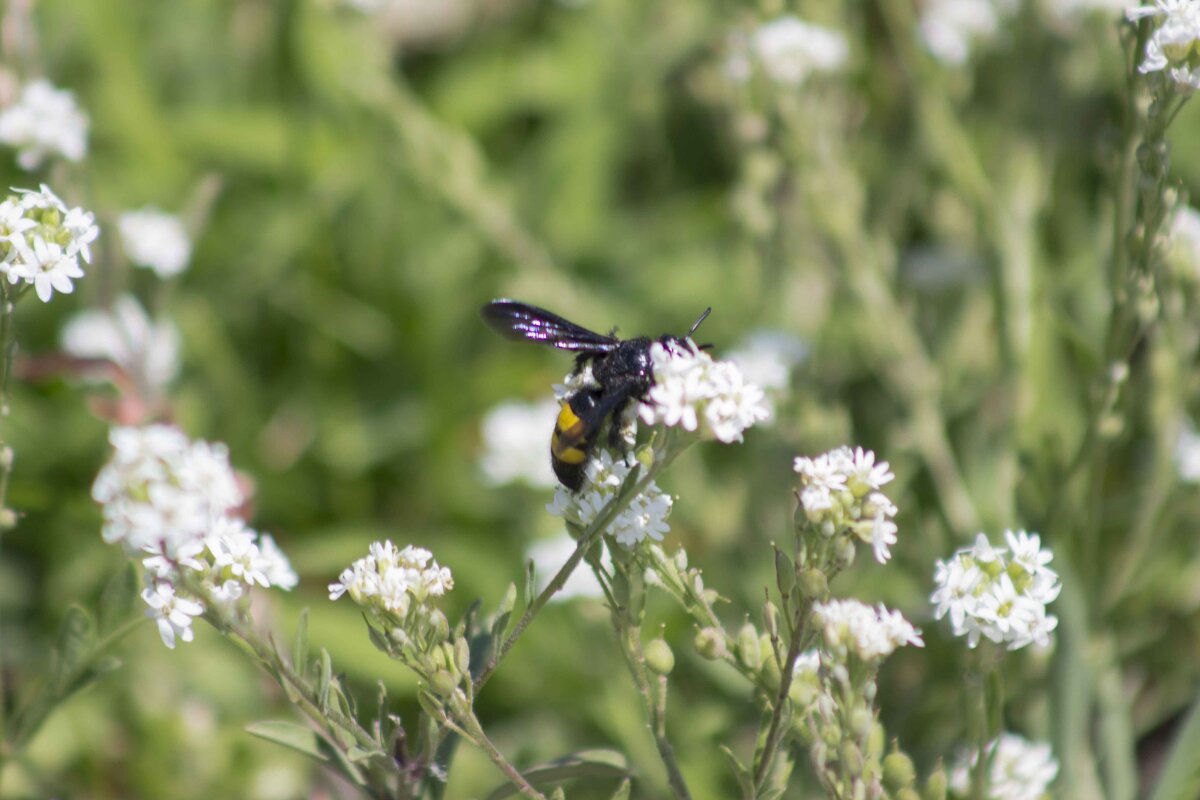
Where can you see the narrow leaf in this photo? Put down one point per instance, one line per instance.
(744, 778)
(300, 645)
(76, 637)
(118, 601)
(592, 764)
(296, 737)
(1180, 776)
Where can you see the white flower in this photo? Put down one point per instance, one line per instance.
(173, 614)
(1187, 453)
(48, 267)
(161, 493)
(949, 27)
(839, 494)
(998, 593)
(235, 552)
(1066, 9)
(274, 564)
(850, 626)
(147, 351)
(1173, 40)
(514, 441)
(767, 358)
(789, 49)
(883, 536)
(644, 518)
(155, 239)
(549, 555)
(696, 393)
(43, 122)
(1020, 770)
(391, 580)
(41, 241)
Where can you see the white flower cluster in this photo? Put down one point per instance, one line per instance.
(1173, 43)
(1020, 770)
(1184, 234)
(43, 122)
(514, 441)
(949, 27)
(850, 626)
(644, 518)
(696, 393)
(390, 581)
(156, 240)
(1187, 453)
(171, 501)
(145, 350)
(41, 241)
(839, 492)
(788, 50)
(767, 359)
(998, 593)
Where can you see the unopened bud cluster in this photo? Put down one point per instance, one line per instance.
(840, 499)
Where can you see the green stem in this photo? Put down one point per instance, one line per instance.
(474, 732)
(629, 636)
(775, 728)
(593, 532)
(299, 691)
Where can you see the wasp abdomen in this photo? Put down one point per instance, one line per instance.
(569, 443)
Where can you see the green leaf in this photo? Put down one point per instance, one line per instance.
(324, 681)
(1180, 776)
(76, 638)
(591, 764)
(623, 791)
(744, 778)
(296, 737)
(300, 645)
(531, 592)
(118, 601)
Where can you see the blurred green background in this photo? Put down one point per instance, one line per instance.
(368, 182)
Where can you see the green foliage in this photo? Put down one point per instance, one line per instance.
(947, 240)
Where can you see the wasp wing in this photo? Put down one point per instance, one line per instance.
(521, 321)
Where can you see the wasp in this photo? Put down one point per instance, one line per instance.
(622, 372)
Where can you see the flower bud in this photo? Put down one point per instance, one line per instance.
(659, 657)
(440, 625)
(442, 683)
(770, 669)
(844, 552)
(462, 656)
(802, 692)
(861, 720)
(875, 741)
(771, 619)
(747, 647)
(907, 793)
(814, 584)
(852, 760)
(898, 771)
(785, 573)
(801, 730)
(710, 643)
(935, 786)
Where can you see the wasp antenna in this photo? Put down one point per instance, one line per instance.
(696, 324)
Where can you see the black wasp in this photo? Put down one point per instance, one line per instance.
(621, 370)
